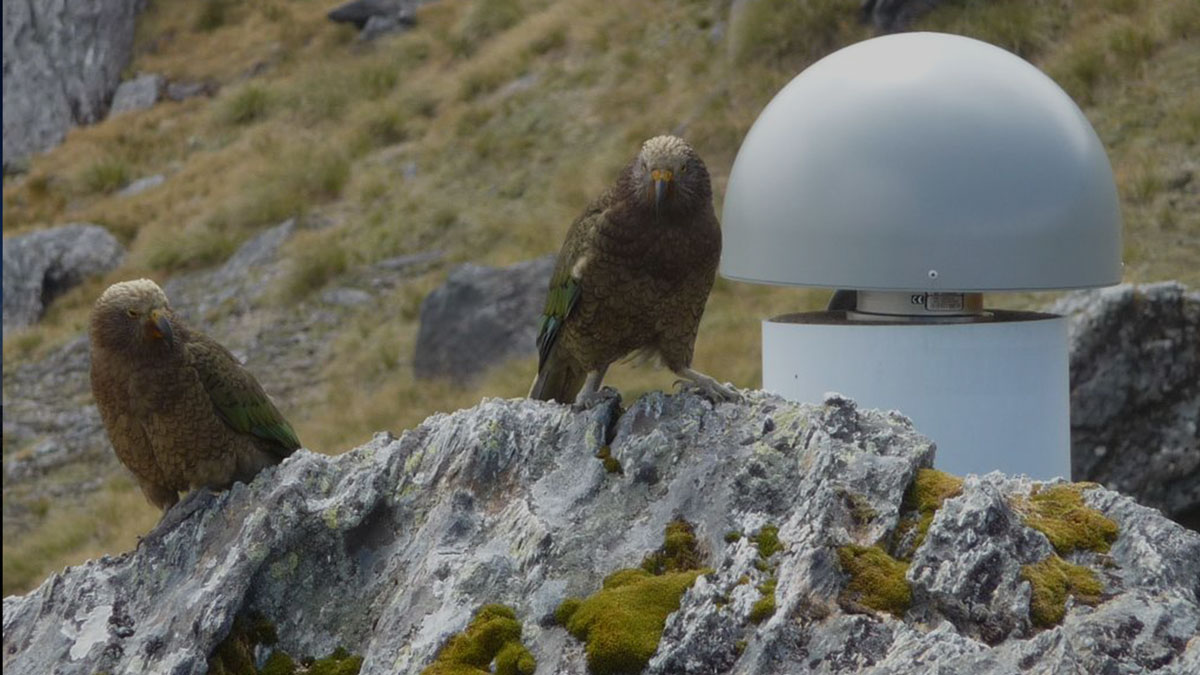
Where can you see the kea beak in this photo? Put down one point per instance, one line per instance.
(662, 180)
(160, 328)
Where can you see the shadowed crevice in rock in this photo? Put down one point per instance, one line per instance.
(389, 550)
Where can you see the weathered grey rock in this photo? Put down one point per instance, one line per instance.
(1135, 393)
(376, 17)
(389, 549)
(139, 93)
(181, 91)
(479, 317)
(894, 15)
(140, 185)
(62, 61)
(41, 265)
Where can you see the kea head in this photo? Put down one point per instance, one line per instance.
(669, 177)
(133, 318)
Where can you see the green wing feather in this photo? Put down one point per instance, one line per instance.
(564, 294)
(565, 289)
(237, 397)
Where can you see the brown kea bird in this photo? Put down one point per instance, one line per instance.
(633, 277)
(181, 412)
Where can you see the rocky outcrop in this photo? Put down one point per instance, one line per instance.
(1135, 393)
(139, 93)
(894, 15)
(374, 18)
(390, 549)
(479, 317)
(62, 62)
(42, 265)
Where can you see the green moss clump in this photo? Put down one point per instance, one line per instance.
(340, 662)
(623, 622)
(732, 536)
(279, 663)
(876, 579)
(611, 464)
(494, 634)
(1059, 513)
(1050, 581)
(767, 541)
(765, 607)
(235, 654)
(860, 509)
(678, 553)
(929, 489)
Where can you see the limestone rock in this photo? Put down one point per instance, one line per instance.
(894, 15)
(140, 185)
(41, 265)
(374, 18)
(62, 61)
(1135, 393)
(139, 93)
(389, 549)
(480, 316)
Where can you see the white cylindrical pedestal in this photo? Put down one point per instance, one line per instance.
(993, 395)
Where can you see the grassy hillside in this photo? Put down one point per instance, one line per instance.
(481, 133)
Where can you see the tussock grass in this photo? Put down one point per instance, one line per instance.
(69, 532)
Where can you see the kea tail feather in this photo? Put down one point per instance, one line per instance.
(557, 380)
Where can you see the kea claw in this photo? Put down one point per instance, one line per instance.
(706, 386)
(195, 500)
(586, 400)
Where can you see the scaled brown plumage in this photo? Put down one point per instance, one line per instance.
(181, 412)
(633, 276)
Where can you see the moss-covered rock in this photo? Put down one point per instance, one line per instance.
(1051, 581)
(876, 579)
(623, 621)
(767, 541)
(921, 501)
(679, 552)
(340, 662)
(765, 606)
(235, 654)
(611, 464)
(494, 634)
(1059, 513)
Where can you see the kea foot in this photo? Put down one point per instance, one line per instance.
(705, 386)
(586, 400)
(195, 500)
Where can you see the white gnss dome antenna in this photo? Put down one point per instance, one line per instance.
(920, 170)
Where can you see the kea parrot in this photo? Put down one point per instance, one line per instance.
(633, 276)
(180, 410)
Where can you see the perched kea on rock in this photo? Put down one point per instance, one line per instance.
(180, 411)
(633, 276)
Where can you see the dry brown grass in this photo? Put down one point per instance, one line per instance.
(482, 133)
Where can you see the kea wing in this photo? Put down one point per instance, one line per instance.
(238, 398)
(565, 287)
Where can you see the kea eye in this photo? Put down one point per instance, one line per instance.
(133, 313)
(683, 169)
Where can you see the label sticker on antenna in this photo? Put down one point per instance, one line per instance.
(944, 302)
